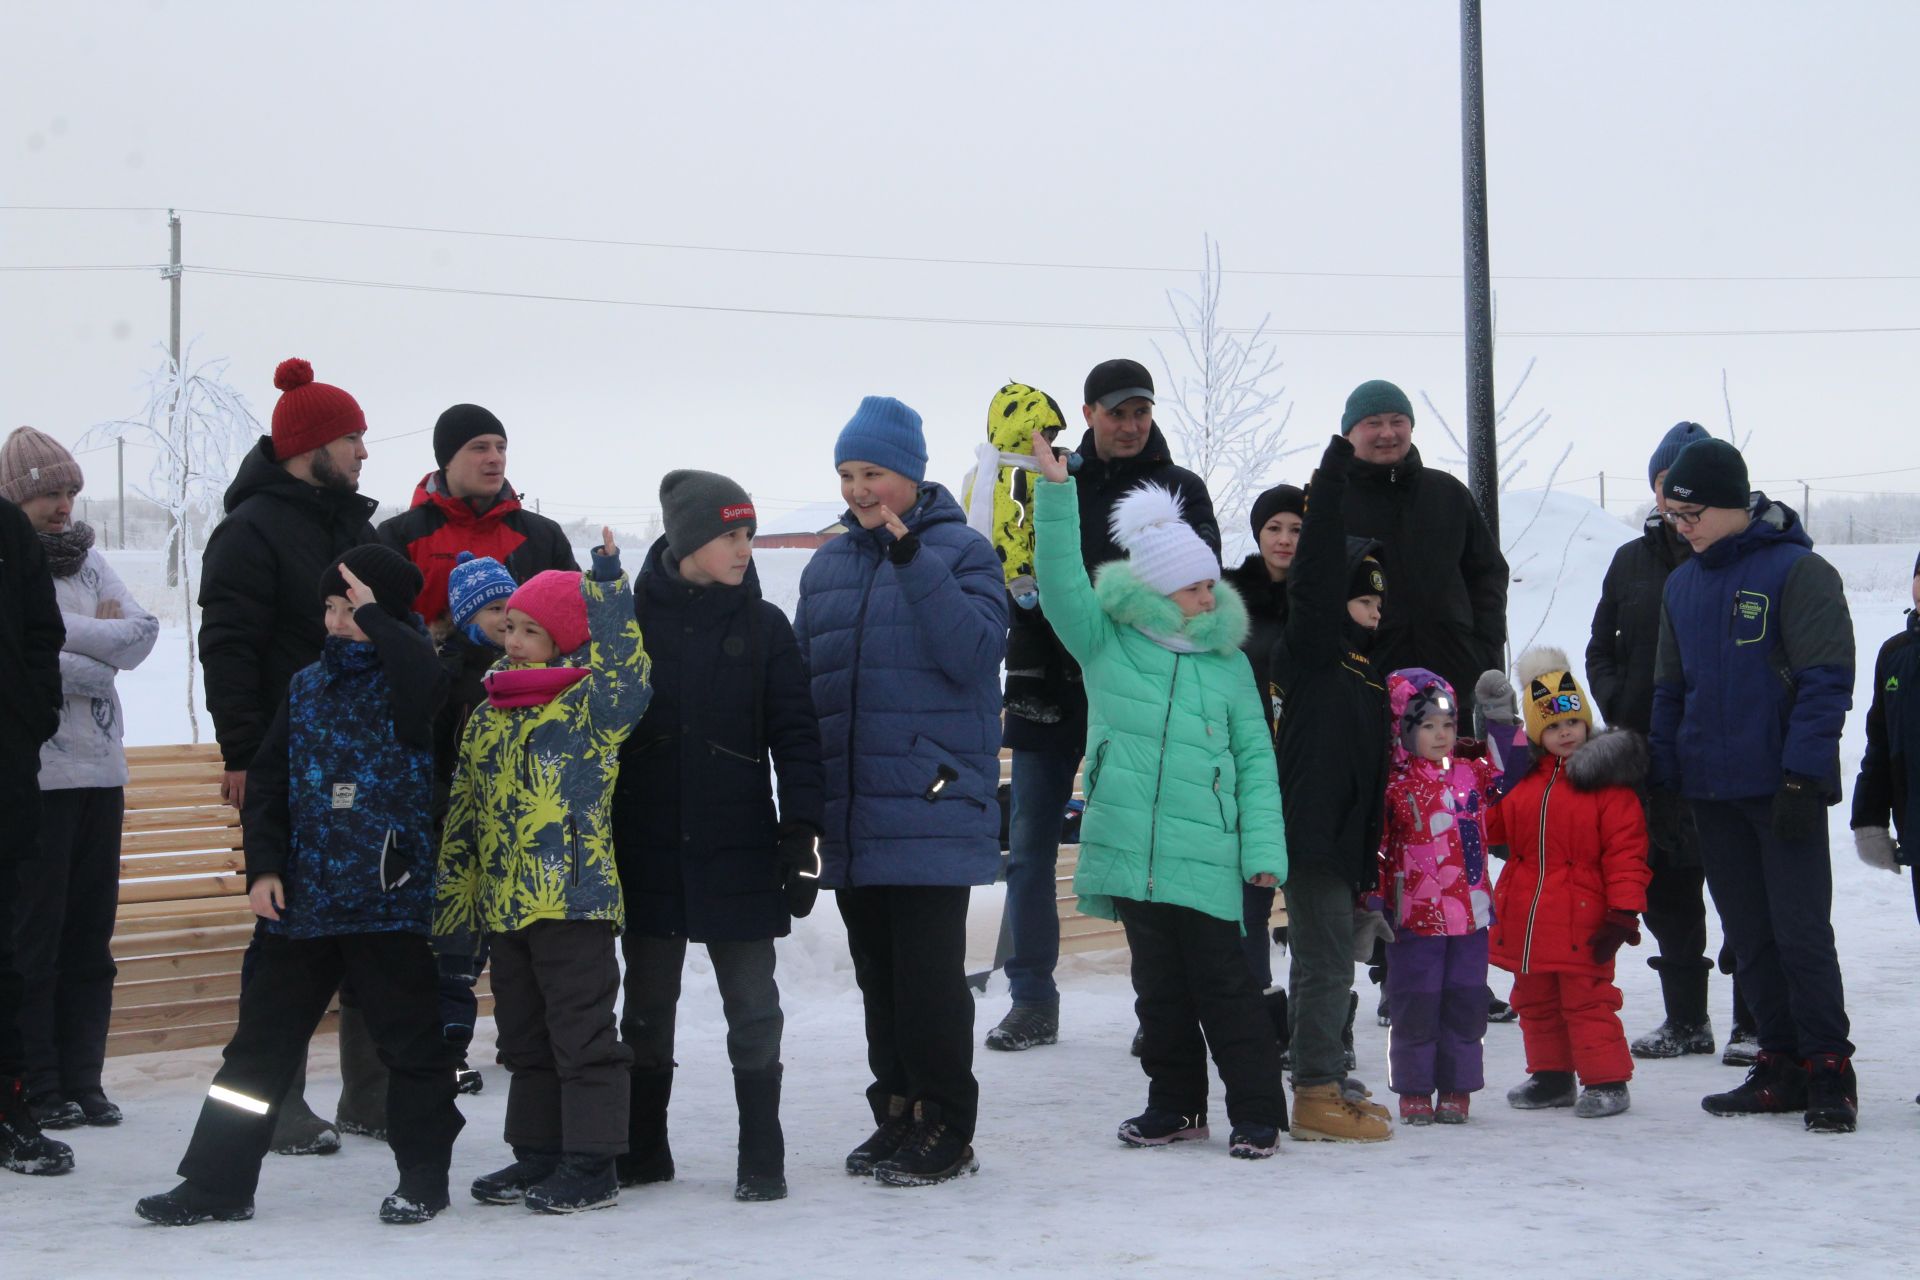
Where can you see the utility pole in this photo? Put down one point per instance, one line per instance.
(1483, 462)
(1603, 491)
(175, 545)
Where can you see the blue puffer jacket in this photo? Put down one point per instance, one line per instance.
(1754, 675)
(905, 663)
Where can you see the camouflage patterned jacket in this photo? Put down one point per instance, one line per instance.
(528, 833)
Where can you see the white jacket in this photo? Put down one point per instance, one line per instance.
(86, 752)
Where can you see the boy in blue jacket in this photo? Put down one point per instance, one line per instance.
(340, 864)
(1752, 683)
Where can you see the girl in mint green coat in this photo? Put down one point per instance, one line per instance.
(1183, 801)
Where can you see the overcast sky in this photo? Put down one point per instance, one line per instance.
(1733, 139)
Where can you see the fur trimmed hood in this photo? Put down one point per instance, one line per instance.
(1615, 758)
(1132, 603)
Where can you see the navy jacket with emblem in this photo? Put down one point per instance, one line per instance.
(339, 799)
(1754, 675)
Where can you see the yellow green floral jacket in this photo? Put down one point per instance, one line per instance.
(528, 834)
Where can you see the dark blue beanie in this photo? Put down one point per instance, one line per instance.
(1678, 437)
(886, 433)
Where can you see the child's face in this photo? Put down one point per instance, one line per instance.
(1564, 737)
(340, 620)
(492, 621)
(526, 640)
(1194, 600)
(1434, 737)
(720, 562)
(867, 487)
(1365, 610)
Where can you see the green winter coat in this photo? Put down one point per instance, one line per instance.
(1183, 797)
(528, 833)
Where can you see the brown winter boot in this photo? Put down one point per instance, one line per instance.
(1322, 1113)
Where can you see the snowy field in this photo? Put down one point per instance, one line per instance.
(1664, 1191)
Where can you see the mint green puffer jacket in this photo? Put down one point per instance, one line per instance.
(1183, 797)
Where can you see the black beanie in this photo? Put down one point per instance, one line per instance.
(457, 426)
(1710, 473)
(1282, 499)
(1365, 577)
(392, 578)
(698, 506)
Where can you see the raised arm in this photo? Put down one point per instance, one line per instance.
(415, 676)
(1317, 582)
(1066, 593)
(959, 611)
(620, 691)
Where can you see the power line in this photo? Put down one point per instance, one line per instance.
(118, 266)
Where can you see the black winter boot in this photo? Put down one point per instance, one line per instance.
(1026, 1026)
(363, 1079)
(581, 1182)
(508, 1185)
(1683, 989)
(51, 1111)
(934, 1152)
(1543, 1089)
(1833, 1094)
(762, 1170)
(895, 1123)
(1153, 1128)
(296, 1130)
(23, 1148)
(187, 1204)
(648, 1158)
(422, 1193)
(97, 1107)
(1775, 1085)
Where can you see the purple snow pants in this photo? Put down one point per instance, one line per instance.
(1437, 996)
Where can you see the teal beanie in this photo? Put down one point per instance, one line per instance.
(1369, 398)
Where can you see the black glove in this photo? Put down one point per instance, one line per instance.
(904, 550)
(799, 851)
(1338, 454)
(1666, 818)
(1799, 810)
(1618, 929)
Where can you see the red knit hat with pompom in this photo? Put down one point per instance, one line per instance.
(552, 598)
(309, 414)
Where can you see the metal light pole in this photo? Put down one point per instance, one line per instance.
(176, 545)
(1483, 462)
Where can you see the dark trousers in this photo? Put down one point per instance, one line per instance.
(63, 929)
(1776, 904)
(554, 984)
(293, 981)
(1257, 942)
(1320, 984)
(1437, 998)
(909, 948)
(1041, 787)
(1193, 994)
(748, 994)
(20, 801)
(1676, 914)
(459, 1005)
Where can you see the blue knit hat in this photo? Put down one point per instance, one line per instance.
(474, 583)
(1678, 437)
(886, 433)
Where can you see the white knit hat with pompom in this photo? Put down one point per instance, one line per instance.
(1165, 552)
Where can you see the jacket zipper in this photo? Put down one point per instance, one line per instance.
(1093, 774)
(1540, 874)
(573, 845)
(853, 710)
(1159, 779)
(722, 751)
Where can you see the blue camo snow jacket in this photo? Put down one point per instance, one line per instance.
(1754, 674)
(905, 662)
(339, 801)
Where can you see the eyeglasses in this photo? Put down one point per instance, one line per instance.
(1688, 519)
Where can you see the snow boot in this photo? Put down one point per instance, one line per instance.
(934, 1152)
(23, 1148)
(1499, 1010)
(894, 1123)
(508, 1185)
(649, 1157)
(1139, 1041)
(1600, 1100)
(97, 1108)
(1253, 1142)
(363, 1079)
(1416, 1109)
(1543, 1090)
(1346, 1032)
(187, 1204)
(1153, 1128)
(51, 1111)
(1323, 1113)
(1775, 1085)
(1026, 1026)
(1742, 1048)
(1358, 1095)
(577, 1184)
(296, 1130)
(761, 1173)
(1683, 989)
(467, 1080)
(422, 1193)
(1833, 1094)
(1453, 1107)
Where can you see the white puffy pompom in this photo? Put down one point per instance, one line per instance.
(1147, 506)
(1538, 661)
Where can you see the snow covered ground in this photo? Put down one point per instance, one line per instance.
(1664, 1191)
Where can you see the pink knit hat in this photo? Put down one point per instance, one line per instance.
(32, 463)
(552, 598)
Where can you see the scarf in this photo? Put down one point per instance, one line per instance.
(529, 686)
(67, 551)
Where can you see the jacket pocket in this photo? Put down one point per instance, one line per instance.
(573, 851)
(1093, 770)
(936, 775)
(726, 753)
(1220, 802)
(396, 869)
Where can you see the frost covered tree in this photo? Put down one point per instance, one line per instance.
(198, 427)
(1220, 405)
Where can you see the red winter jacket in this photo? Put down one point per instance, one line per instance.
(1577, 840)
(438, 527)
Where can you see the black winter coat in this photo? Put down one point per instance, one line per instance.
(1446, 605)
(1266, 602)
(1031, 644)
(1330, 701)
(694, 818)
(1626, 625)
(261, 616)
(464, 664)
(31, 634)
(1889, 782)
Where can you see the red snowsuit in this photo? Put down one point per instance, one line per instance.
(1577, 841)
